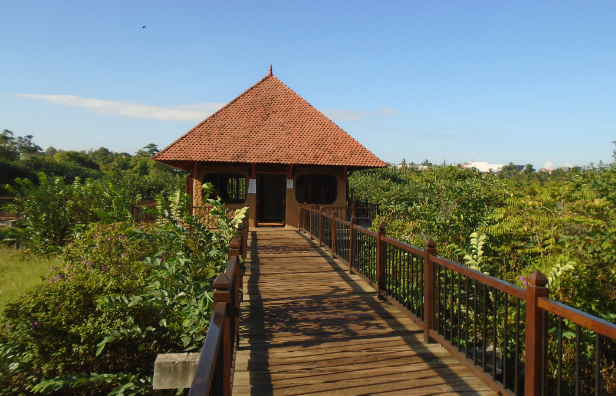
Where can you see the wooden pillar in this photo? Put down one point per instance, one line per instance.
(334, 218)
(430, 249)
(352, 244)
(534, 333)
(380, 260)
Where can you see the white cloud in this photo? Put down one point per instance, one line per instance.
(338, 115)
(549, 165)
(193, 112)
(569, 165)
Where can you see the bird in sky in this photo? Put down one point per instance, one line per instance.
(144, 27)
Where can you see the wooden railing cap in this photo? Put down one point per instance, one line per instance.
(222, 282)
(234, 244)
(537, 279)
(430, 243)
(382, 227)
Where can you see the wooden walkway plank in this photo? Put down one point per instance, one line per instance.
(308, 327)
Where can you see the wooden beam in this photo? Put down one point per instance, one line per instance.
(254, 170)
(290, 172)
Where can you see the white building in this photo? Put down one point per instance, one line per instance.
(484, 167)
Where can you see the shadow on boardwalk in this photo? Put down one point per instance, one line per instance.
(308, 327)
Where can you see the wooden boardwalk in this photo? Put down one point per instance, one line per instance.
(308, 327)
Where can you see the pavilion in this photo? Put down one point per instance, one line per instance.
(270, 150)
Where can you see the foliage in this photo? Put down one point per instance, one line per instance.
(562, 224)
(137, 175)
(445, 203)
(123, 295)
(473, 257)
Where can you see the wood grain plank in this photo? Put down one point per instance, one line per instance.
(309, 327)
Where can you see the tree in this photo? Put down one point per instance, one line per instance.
(26, 145)
(7, 145)
(529, 169)
(148, 150)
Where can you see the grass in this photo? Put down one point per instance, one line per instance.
(19, 272)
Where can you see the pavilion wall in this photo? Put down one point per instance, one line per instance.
(292, 205)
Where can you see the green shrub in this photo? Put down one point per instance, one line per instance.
(123, 295)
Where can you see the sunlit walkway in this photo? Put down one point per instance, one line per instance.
(308, 327)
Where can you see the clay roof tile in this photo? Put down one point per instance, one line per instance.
(269, 123)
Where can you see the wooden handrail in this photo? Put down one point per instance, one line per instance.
(405, 246)
(204, 375)
(364, 230)
(481, 277)
(582, 318)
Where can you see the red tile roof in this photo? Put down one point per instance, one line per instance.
(268, 123)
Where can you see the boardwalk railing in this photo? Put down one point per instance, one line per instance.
(214, 373)
(504, 334)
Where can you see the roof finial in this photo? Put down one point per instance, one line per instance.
(270, 73)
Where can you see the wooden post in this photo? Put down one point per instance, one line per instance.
(311, 207)
(352, 244)
(380, 260)
(334, 218)
(299, 218)
(534, 333)
(430, 249)
(222, 284)
(321, 211)
(242, 251)
(234, 253)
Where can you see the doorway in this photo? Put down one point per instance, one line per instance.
(271, 199)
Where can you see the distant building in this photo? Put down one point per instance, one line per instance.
(484, 167)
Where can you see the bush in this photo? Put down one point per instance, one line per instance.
(123, 295)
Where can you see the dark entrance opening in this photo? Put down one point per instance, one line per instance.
(271, 194)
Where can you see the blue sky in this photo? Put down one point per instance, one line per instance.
(528, 82)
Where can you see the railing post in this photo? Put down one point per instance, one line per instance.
(352, 244)
(534, 333)
(311, 216)
(234, 253)
(380, 260)
(321, 212)
(222, 284)
(334, 217)
(430, 249)
(299, 218)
